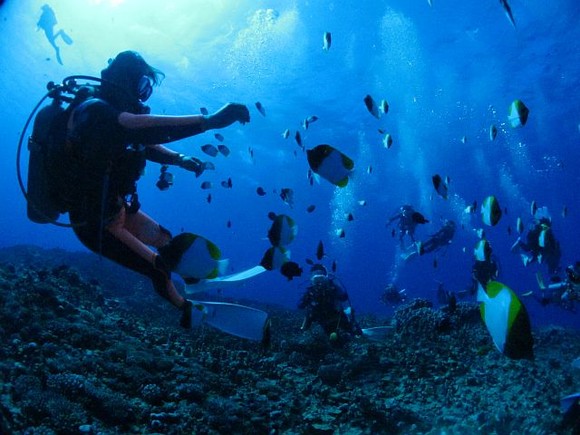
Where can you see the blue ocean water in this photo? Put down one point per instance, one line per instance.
(448, 71)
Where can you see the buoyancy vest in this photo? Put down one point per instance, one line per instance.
(104, 160)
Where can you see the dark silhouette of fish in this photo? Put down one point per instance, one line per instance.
(298, 139)
(260, 108)
(371, 106)
(291, 270)
(508, 11)
(260, 191)
(320, 250)
(210, 150)
(47, 22)
(224, 150)
(287, 196)
(227, 184)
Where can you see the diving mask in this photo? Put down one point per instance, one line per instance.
(145, 88)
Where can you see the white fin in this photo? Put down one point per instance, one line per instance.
(378, 333)
(540, 280)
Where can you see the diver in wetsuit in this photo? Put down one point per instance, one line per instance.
(565, 293)
(541, 245)
(407, 220)
(108, 140)
(440, 239)
(327, 303)
(46, 22)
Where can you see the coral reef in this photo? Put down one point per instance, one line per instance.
(80, 356)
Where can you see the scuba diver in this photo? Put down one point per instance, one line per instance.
(541, 245)
(408, 219)
(107, 135)
(440, 239)
(327, 303)
(562, 292)
(393, 296)
(46, 22)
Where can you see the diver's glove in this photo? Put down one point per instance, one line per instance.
(192, 164)
(227, 115)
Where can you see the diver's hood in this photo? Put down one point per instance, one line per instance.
(124, 72)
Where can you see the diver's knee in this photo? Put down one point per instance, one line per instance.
(165, 235)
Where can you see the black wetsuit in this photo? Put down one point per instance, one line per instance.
(105, 161)
(440, 239)
(323, 303)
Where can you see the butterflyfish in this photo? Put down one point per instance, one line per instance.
(507, 320)
(490, 211)
(193, 257)
(283, 230)
(518, 114)
(330, 164)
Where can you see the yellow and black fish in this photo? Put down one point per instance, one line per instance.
(490, 211)
(518, 114)
(330, 164)
(283, 230)
(507, 320)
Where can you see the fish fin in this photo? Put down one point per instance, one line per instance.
(222, 266)
(347, 162)
(481, 294)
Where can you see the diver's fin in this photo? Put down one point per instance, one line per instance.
(67, 39)
(378, 333)
(410, 255)
(233, 319)
(58, 59)
(233, 280)
(540, 280)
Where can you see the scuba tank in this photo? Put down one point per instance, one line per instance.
(44, 190)
(42, 206)
(49, 174)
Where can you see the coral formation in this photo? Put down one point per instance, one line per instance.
(80, 356)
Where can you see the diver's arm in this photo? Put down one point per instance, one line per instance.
(159, 129)
(394, 218)
(160, 154)
(138, 121)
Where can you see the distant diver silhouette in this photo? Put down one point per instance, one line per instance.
(47, 22)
